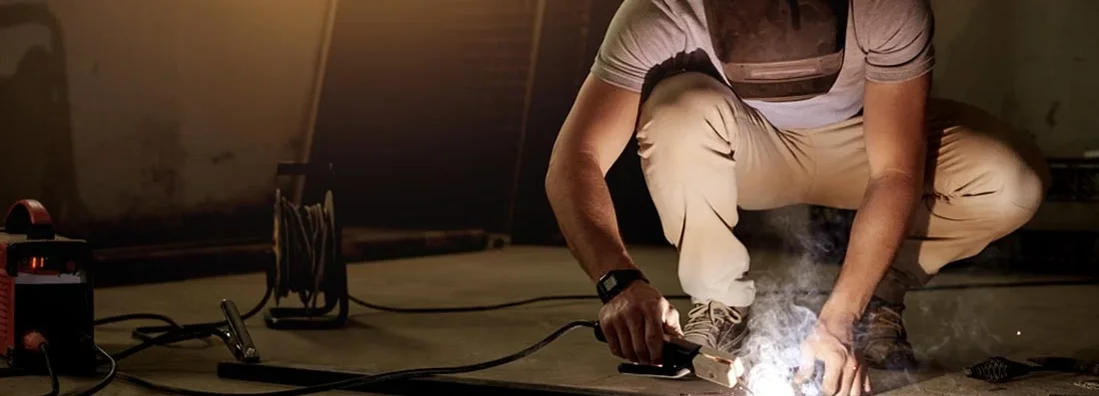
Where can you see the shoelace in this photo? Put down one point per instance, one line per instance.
(887, 317)
(884, 324)
(883, 337)
(710, 314)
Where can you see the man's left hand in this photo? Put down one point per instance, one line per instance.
(831, 343)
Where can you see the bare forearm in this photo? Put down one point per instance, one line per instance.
(585, 213)
(880, 227)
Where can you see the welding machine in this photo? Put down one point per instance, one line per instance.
(45, 295)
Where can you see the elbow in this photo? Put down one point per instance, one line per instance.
(552, 182)
(562, 174)
(566, 174)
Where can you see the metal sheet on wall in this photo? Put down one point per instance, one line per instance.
(422, 107)
(135, 124)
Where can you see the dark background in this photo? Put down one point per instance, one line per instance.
(427, 127)
(156, 133)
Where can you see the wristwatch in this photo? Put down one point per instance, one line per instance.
(615, 281)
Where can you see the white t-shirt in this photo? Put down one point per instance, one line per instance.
(887, 40)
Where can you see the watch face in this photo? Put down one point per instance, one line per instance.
(609, 283)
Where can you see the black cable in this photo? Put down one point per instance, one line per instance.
(141, 332)
(55, 384)
(111, 373)
(476, 308)
(573, 297)
(164, 339)
(185, 332)
(374, 378)
(137, 316)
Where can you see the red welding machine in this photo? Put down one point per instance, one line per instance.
(45, 295)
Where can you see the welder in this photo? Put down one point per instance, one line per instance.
(46, 298)
(762, 104)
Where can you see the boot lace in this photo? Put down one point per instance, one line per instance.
(706, 321)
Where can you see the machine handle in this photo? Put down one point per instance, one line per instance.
(599, 332)
(29, 217)
(677, 352)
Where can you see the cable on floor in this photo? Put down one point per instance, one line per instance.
(175, 332)
(112, 372)
(141, 332)
(55, 384)
(475, 308)
(373, 378)
(822, 292)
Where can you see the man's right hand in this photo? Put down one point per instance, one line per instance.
(637, 322)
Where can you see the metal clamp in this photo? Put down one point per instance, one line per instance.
(236, 334)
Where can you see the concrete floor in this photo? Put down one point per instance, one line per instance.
(951, 328)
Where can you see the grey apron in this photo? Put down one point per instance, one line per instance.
(779, 50)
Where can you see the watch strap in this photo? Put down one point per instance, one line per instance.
(615, 281)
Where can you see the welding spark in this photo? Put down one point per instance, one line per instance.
(770, 382)
(773, 347)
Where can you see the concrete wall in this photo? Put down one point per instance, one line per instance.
(1033, 62)
(153, 110)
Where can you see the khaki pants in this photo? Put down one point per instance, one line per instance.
(704, 153)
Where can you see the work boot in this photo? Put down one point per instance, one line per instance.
(715, 325)
(881, 339)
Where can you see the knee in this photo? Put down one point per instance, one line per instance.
(1005, 173)
(1023, 193)
(1019, 187)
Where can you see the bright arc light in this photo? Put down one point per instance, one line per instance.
(770, 383)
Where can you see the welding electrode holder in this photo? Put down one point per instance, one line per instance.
(678, 355)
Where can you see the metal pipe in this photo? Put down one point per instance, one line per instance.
(310, 127)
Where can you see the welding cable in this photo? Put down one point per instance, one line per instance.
(142, 333)
(305, 245)
(112, 372)
(165, 339)
(491, 307)
(137, 316)
(820, 292)
(373, 378)
(477, 308)
(184, 332)
(55, 384)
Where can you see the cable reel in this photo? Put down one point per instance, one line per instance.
(308, 258)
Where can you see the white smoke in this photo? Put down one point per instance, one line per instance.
(781, 318)
(778, 325)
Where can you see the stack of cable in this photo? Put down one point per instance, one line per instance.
(304, 244)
